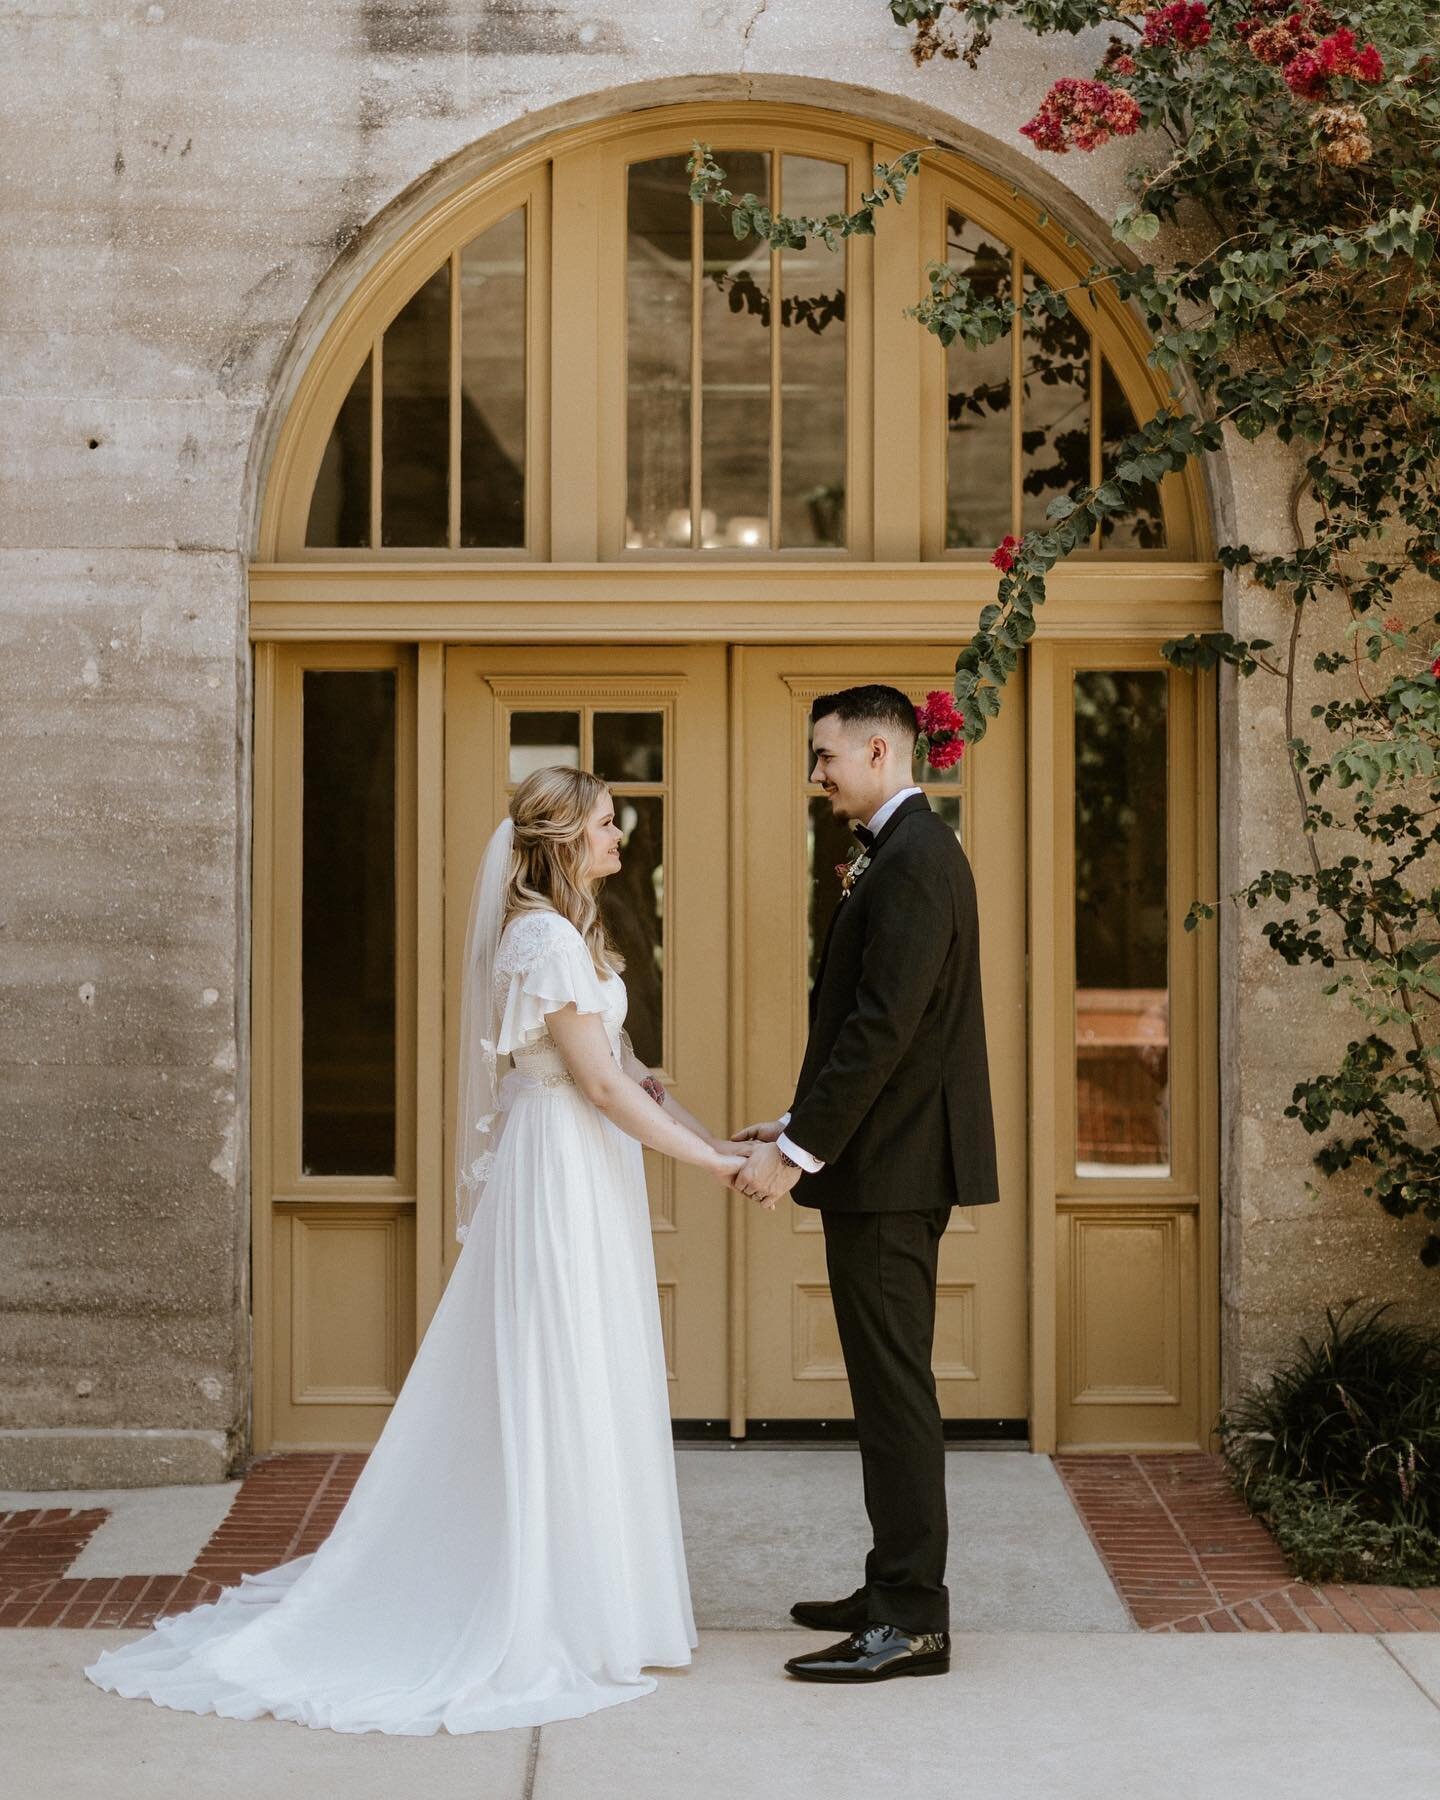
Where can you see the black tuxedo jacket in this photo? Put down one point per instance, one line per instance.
(894, 1092)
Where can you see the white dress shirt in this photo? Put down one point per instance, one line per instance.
(812, 1164)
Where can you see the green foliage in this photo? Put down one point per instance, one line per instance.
(1333, 1540)
(1306, 308)
(1339, 1450)
(750, 217)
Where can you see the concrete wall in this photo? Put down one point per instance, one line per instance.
(191, 185)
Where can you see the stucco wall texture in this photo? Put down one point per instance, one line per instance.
(188, 187)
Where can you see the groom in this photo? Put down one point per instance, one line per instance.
(890, 1127)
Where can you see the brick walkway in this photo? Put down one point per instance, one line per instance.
(1180, 1547)
(285, 1507)
(1187, 1556)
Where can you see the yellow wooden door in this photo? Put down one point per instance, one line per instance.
(791, 845)
(652, 723)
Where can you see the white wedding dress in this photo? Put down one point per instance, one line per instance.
(511, 1553)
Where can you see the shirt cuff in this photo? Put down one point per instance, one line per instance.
(812, 1165)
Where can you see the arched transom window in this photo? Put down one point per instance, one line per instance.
(571, 359)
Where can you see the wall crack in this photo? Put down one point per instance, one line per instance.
(748, 33)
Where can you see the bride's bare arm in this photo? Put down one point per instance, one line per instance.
(582, 1042)
(637, 1071)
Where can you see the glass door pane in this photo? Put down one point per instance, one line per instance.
(415, 418)
(348, 1050)
(735, 357)
(626, 749)
(1122, 1034)
(830, 842)
(978, 411)
(492, 385)
(812, 364)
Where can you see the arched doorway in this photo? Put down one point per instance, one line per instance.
(575, 475)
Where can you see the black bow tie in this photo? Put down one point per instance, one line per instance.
(865, 834)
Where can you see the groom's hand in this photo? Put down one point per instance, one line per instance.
(760, 1134)
(766, 1175)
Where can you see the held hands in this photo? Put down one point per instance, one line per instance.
(766, 1175)
(760, 1134)
(729, 1160)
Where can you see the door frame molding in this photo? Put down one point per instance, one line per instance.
(349, 624)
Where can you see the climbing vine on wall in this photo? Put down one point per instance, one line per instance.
(1298, 149)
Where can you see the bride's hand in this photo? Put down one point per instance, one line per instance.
(725, 1165)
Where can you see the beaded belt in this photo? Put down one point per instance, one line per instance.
(546, 1078)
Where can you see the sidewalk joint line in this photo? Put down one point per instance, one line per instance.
(1383, 1639)
(1183, 1537)
(532, 1764)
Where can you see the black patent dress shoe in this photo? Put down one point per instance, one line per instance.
(876, 1653)
(848, 1614)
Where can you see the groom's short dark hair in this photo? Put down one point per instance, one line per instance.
(874, 704)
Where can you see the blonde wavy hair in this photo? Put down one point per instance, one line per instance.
(550, 809)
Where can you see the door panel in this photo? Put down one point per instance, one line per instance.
(652, 723)
(790, 888)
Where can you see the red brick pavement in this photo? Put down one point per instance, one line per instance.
(40, 1544)
(1186, 1555)
(1181, 1548)
(285, 1508)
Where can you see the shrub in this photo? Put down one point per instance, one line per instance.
(1339, 1451)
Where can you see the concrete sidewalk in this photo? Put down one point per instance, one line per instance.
(1022, 1716)
(1055, 1693)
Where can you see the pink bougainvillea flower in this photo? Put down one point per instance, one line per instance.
(946, 755)
(941, 723)
(1308, 62)
(939, 712)
(1185, 24)
(1339, 56)
(1004, 557)
(1082, 115)
(1305, 77)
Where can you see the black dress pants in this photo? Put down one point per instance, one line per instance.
(882, 1281)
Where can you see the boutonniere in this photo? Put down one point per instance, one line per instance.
(850, 872)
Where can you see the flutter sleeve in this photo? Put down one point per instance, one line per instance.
(554, 967)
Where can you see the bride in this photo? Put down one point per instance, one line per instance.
(511, 1553)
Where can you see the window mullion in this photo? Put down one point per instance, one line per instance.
(377, 436)
(1096, 377)
(697, 290)
(1017, 391)
(777, 395)
(453, 527)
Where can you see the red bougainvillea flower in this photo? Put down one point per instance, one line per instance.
(1309, 62)
(941, 724)
(1004, 557)
(1435, 668)
(939, 713)
(1183, 23)
(1339, 56)
(946, 755)
(1304, 76)
(1082, 115)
